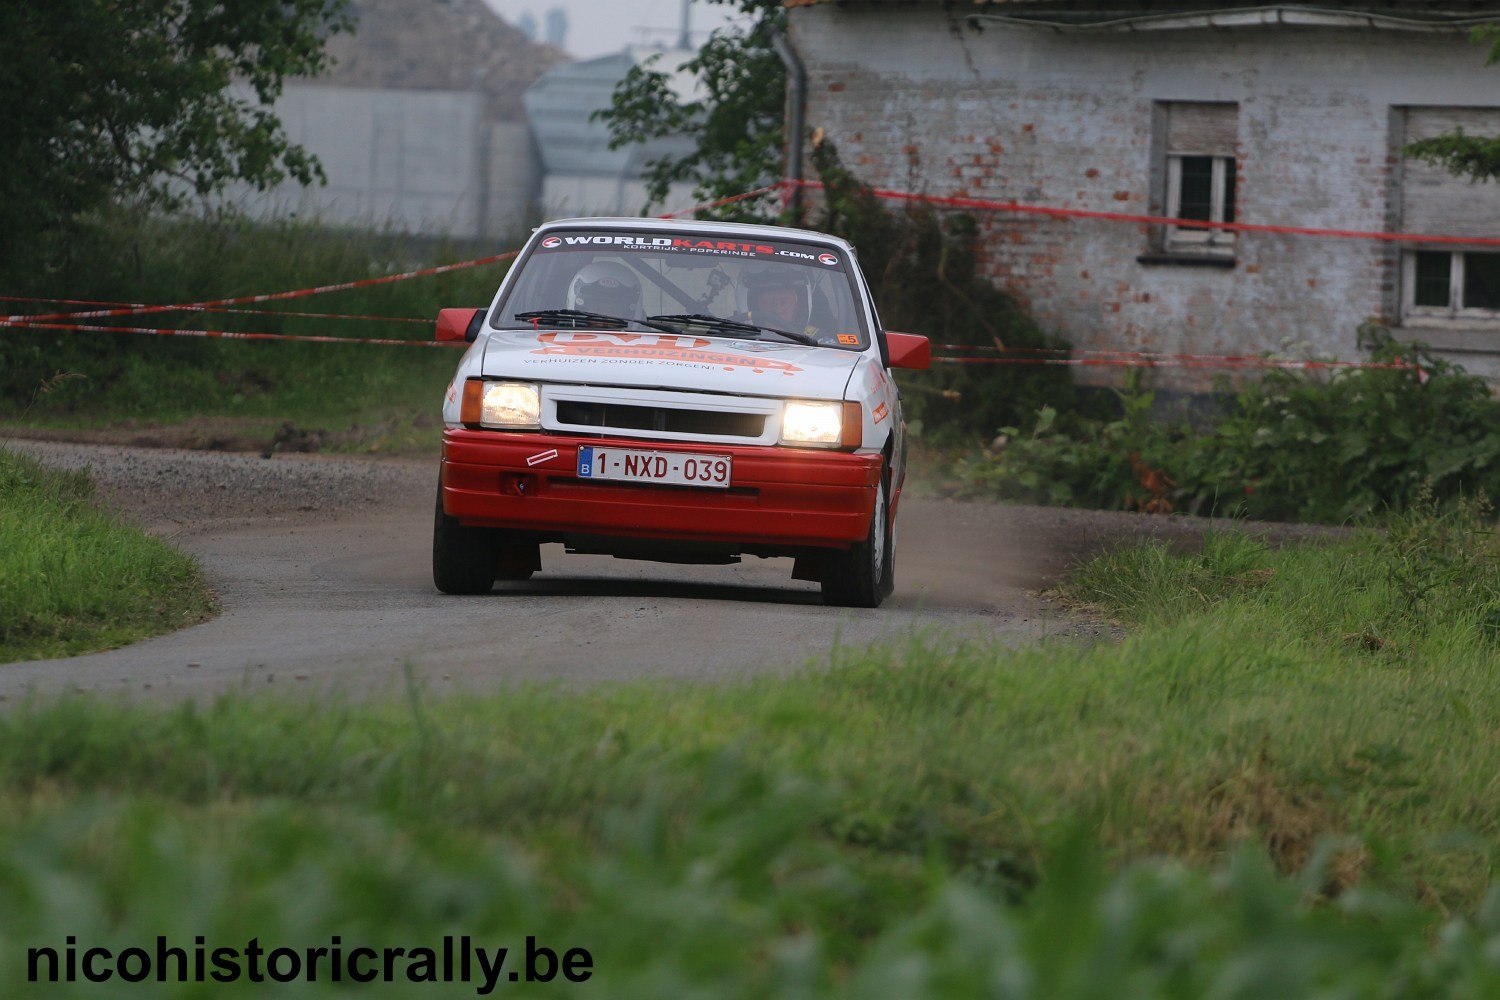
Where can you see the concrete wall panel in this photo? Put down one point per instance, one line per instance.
(424, 162)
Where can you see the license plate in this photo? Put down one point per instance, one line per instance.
(677, 468)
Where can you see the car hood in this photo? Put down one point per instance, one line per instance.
(669, 361)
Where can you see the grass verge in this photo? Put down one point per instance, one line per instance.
(73, 579)
(1283, 784)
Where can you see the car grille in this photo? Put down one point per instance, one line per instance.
(661, 414)
(623, 416)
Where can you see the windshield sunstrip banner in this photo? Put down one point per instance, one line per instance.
(793, 252)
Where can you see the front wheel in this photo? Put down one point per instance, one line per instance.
(464, 560)
(865, 574)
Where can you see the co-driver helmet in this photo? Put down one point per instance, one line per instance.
(605, 287)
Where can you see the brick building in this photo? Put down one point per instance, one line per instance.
(1274, 114)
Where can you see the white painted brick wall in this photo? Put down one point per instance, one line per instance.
(918, 101)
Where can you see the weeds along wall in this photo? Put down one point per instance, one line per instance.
(922, 266)
(1357, 444)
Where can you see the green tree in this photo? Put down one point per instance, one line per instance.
(735, 125)
(117, 100)
(1471, 156)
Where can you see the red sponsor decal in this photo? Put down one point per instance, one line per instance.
(663, 353)
(624, 339)
(827, 258)
(551, 241)
(880, 412)
(722, 245)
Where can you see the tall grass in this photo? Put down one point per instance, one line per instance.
(72, 578)
(901, 823)
(133, 258)
(114, 873)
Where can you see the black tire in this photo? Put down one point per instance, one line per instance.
(517, 561)
(865, 574)
(464, 559)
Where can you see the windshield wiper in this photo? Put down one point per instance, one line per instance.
(731, 326)
(578, 319)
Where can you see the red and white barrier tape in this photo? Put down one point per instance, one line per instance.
(138, 309)
(1157, 220)
(1037, 355)
(1117, 359)
(1226, 362)
(778, 186)
(51, 321)
(232, 312)
(225, 334)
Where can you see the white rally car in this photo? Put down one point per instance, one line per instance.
(676, 391)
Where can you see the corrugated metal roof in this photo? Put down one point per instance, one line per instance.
(1433, 8)
(1159, 15)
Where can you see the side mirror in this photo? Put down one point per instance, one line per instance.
(459, 324)
(909, 350)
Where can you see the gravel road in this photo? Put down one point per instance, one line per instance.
(322, 568)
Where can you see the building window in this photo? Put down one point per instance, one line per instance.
(1200, 174)
(1453, 284)
(1200, 187)
(1439, 283)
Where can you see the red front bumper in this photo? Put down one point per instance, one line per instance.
(778, 497)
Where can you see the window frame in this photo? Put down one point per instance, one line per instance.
(1184, 129)
(1195, 237)
(1454, 310)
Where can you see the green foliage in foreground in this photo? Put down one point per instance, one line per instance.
(1281, 785)
(73, 579)
(1293, 446)
(62, 377)
(745, 919)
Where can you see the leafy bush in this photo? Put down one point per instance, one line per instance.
(1070, 460)
(1362, 441)
(1295, 445)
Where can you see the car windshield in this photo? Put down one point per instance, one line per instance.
(718, 286)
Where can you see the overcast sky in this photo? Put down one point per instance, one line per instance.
(600, 27)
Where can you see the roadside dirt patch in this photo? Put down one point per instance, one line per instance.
(264, 435)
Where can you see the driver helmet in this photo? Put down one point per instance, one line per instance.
(760, 282)
(605, 287)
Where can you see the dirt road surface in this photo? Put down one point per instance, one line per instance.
(322, 567)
